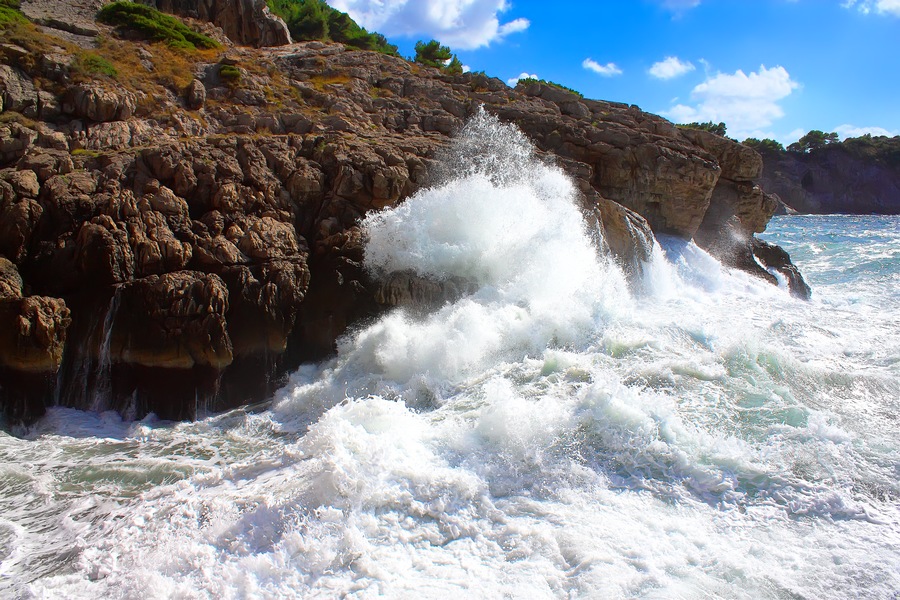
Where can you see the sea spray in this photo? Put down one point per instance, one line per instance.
(549, 435)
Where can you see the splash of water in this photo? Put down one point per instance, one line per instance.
(549, 435)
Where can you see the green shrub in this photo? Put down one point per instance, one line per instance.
(154, 25)
(530, 80)
(310, 20)
(9, 13)
(229, 73)
(94, 64)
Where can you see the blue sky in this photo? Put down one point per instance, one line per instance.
(767, 68)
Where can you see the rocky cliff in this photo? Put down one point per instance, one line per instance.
(857, 176)
(178, 235)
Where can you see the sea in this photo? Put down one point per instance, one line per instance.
(569, 429)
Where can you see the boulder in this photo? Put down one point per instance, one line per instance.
(195, 95)
(98, 102)
(18, 92)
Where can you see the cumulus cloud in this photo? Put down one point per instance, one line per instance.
(670, 68)
(461, 24)
(882, 7)
(849, 131)
(512, 82)
(607, 70)
(745, 102)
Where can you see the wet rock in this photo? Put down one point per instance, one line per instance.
(174, 321)
(775, 257)
(33, 333)
(405, 288)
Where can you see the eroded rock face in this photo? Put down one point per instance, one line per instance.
(175, 321)
(34, 334)
(216, 248)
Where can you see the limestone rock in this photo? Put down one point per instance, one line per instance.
(15, 140)
(33, 333)
(775, 257)
(99, 103)
(738, 162)
(224, 246)
(19, 213)
(405, 288)
(24, 182)
(195, 95)
(10, 281)
(176, 321)
(18, 92)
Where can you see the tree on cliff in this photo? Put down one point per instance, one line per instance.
(716, 128)
(432, 54)
(765, 145)
(813, 140)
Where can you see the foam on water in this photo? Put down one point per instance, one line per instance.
(552, 434)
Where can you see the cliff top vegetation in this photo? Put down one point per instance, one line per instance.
(309, 20)
(154, 25)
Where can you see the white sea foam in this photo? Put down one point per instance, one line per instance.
(549, 435)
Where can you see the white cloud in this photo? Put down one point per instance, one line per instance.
(512, 82)
(680, 5)
(890, 7)
(514, 26)
(848, 131)
(607, 70)
(461, 24)
(670, 67)
(745, 103)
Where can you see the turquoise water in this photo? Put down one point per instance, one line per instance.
(557, 434)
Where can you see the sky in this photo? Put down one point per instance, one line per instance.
(766, 68)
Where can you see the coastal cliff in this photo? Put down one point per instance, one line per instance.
(856, 176)
(181, 229)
